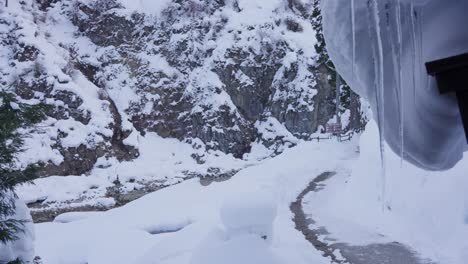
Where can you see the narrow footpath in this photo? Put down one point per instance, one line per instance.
(341, 253)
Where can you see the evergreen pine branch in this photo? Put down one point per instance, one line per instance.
(13, 116)
(10, 228)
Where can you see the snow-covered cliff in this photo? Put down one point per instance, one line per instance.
(211, 73)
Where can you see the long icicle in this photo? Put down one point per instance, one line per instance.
(353, 29)
(380, 92)
(400, 85)
(419, 18)
(393, 40)
(413, 51)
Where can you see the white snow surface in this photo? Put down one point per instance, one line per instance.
(151, 7)
(381, 55)
(73, 216)
(250, 213)
(241, 249)
(247, 226)
(191, 223)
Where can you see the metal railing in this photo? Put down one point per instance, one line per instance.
(345, 137)
(321, 138)
(339, 137)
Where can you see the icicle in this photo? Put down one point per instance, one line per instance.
(380, 68)
(428, 82)
(419, 19)
(353, 29)
(379, 60)
(393, 41)
(414, 49)
(400, 78)
(420, 41)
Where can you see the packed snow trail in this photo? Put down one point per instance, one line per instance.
(302, 222)
(388, 253)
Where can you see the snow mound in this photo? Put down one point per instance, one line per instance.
(74, 216)
(248, 230)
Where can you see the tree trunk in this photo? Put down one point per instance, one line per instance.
(355, 108)
(338, 98)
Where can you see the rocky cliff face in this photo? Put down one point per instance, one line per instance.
(219, 71)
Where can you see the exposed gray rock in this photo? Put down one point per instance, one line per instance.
(77, 161)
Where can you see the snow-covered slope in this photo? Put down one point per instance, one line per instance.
(210, 73)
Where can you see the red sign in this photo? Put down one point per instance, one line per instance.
(334, 128)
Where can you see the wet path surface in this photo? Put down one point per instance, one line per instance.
(389, 253)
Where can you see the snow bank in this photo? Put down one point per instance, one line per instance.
(380, 48)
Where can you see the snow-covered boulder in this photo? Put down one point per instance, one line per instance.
(23, 247)
(380, 48)
(248, 229)
(74, 216)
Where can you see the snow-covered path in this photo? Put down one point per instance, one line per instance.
(383, 253)
(135, 233)
(425, 211)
